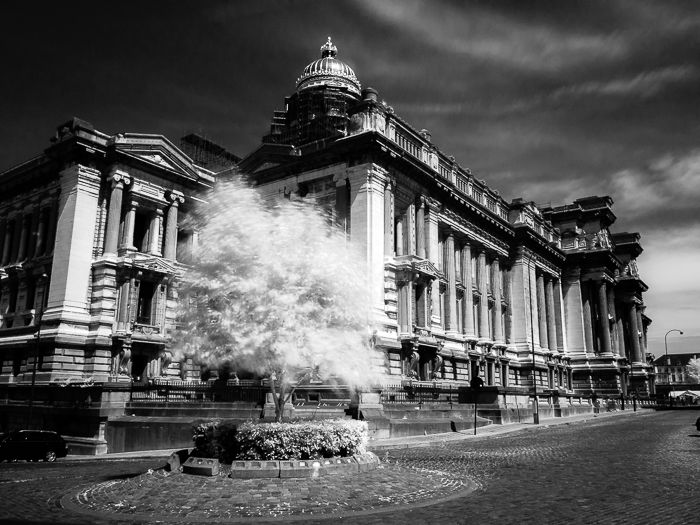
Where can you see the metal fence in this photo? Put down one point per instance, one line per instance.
(193, 391)
(419, 392)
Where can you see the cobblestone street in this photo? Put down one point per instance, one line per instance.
(627, 468)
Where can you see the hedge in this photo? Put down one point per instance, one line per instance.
(215, 439)
(300, 440)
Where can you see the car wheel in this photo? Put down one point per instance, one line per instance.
(50, 456)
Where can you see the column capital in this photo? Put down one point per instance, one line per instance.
(158, 212)
(117, 176)
(175, 197)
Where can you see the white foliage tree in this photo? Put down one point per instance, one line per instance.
(276, 291)
(694, 369)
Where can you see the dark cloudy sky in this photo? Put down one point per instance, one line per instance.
(550, 100)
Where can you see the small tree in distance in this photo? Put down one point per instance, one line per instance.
(276, 291)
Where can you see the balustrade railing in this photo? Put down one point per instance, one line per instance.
(418, 392)
(192, 391)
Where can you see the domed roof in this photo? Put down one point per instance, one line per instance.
(328, 71)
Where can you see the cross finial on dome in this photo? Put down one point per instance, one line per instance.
(328, 49)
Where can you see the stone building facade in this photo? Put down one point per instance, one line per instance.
(463, 283)
(93, 233)
(91, 236)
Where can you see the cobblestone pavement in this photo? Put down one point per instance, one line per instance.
(634, 468)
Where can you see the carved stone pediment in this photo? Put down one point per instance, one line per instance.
(416, 267)
(150, 263)
(157, 151)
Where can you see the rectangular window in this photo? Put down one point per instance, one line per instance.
(420, 305)
(145, 312)
(141, 227)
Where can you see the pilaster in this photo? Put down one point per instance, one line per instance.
(367, 186)
(551, 315)
(449, 260)
(72, 261)
(468, 310)
(497, 299)
(542, 312)
(603, 321)
(573, 311)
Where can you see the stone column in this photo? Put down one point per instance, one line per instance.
(420, 228)
(587, 318)
(634, 335)
(389, 218)
(542, 312)
(532, 290)
(119, 179)
(520, 283)
(484, 300)
(129, 222)
(7, 242)
(497, 307)
(468, 310)
(449, 257)
(23, 238)
(34, 232)
(559, 315)
(175, 198)
(41, 232)
(573, 307)
(399, 238)
(410, 229)
(16, 236)
(432, 247)
(612, 321)
(551, 314)
(154, 233)
(640, 327)
(604, 323)
(620, 325)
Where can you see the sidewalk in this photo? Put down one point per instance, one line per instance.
(400, 442)
(490, 430)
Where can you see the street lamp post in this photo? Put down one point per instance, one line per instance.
(668, 363)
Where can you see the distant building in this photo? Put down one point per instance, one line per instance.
(462, 282)
(673, 369)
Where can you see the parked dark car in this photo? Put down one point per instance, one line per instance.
(33, 445)
(697, 424)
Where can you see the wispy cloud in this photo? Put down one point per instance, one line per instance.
(669, 184)
(645, 84)
(487, 35)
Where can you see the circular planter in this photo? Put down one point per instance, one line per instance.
(303, 468)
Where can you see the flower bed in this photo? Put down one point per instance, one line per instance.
(281, 441)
